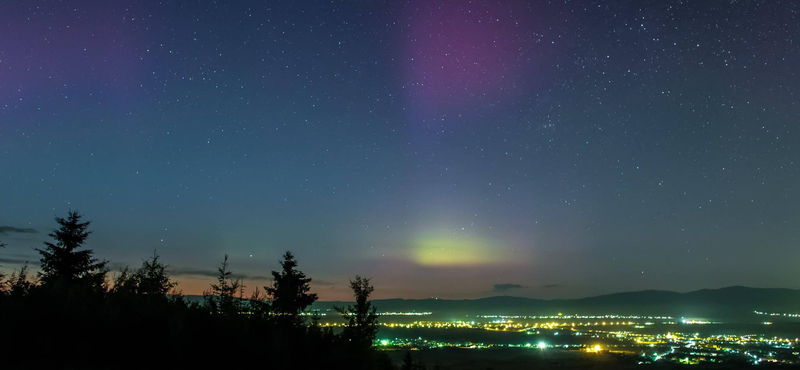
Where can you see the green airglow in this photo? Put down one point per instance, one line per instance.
(454, 251)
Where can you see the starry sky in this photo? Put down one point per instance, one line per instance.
(445, 148)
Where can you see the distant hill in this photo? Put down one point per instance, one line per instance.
(731, 302)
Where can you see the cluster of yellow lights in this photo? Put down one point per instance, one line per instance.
(695, 322)
(711, 346)
(783, 314)
(405, 313)
(501, 325)
(696, 340)
(594, 349)
(627, 341)
(561, 316)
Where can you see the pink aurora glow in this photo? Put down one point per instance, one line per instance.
(460, 53)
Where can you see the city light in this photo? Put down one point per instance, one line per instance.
(620, 338)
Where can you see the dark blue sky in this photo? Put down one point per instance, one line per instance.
(440, 147)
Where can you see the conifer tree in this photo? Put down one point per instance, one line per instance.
(19, 285)
(408, 362)
(225, 297)
(153, 277)
(2, 276)
(125, 282)
(361, 320)
(289, 293)
(65, 262)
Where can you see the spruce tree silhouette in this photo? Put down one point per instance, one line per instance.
(2, 276)
(289, 294)
(151, 279)
(125, 283)
(63, 262)
(19, 285)
(361, 320)
(408, 362)
(225, 297)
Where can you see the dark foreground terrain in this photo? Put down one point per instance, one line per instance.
(519, 359)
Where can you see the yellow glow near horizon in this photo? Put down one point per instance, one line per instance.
(453, 252)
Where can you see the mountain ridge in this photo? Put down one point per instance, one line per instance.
(736, 288)
(732, 301)
(727, 302)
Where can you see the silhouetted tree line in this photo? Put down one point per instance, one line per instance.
(70, 317)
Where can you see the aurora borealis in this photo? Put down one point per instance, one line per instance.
(569, 148)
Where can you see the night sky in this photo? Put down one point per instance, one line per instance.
(448, 149)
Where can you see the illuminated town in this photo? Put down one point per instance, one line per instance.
(642, 339)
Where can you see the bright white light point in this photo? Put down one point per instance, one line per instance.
(542, 345)
(251, 256)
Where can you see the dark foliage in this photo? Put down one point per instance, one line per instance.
(361, 320)
(64, 263)
(20, 285)
(71, 319)
(226, 296)
(152, 279)
(361, 325)
(289, 294)
(2, 276)
(258, 305)
(410, 364)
